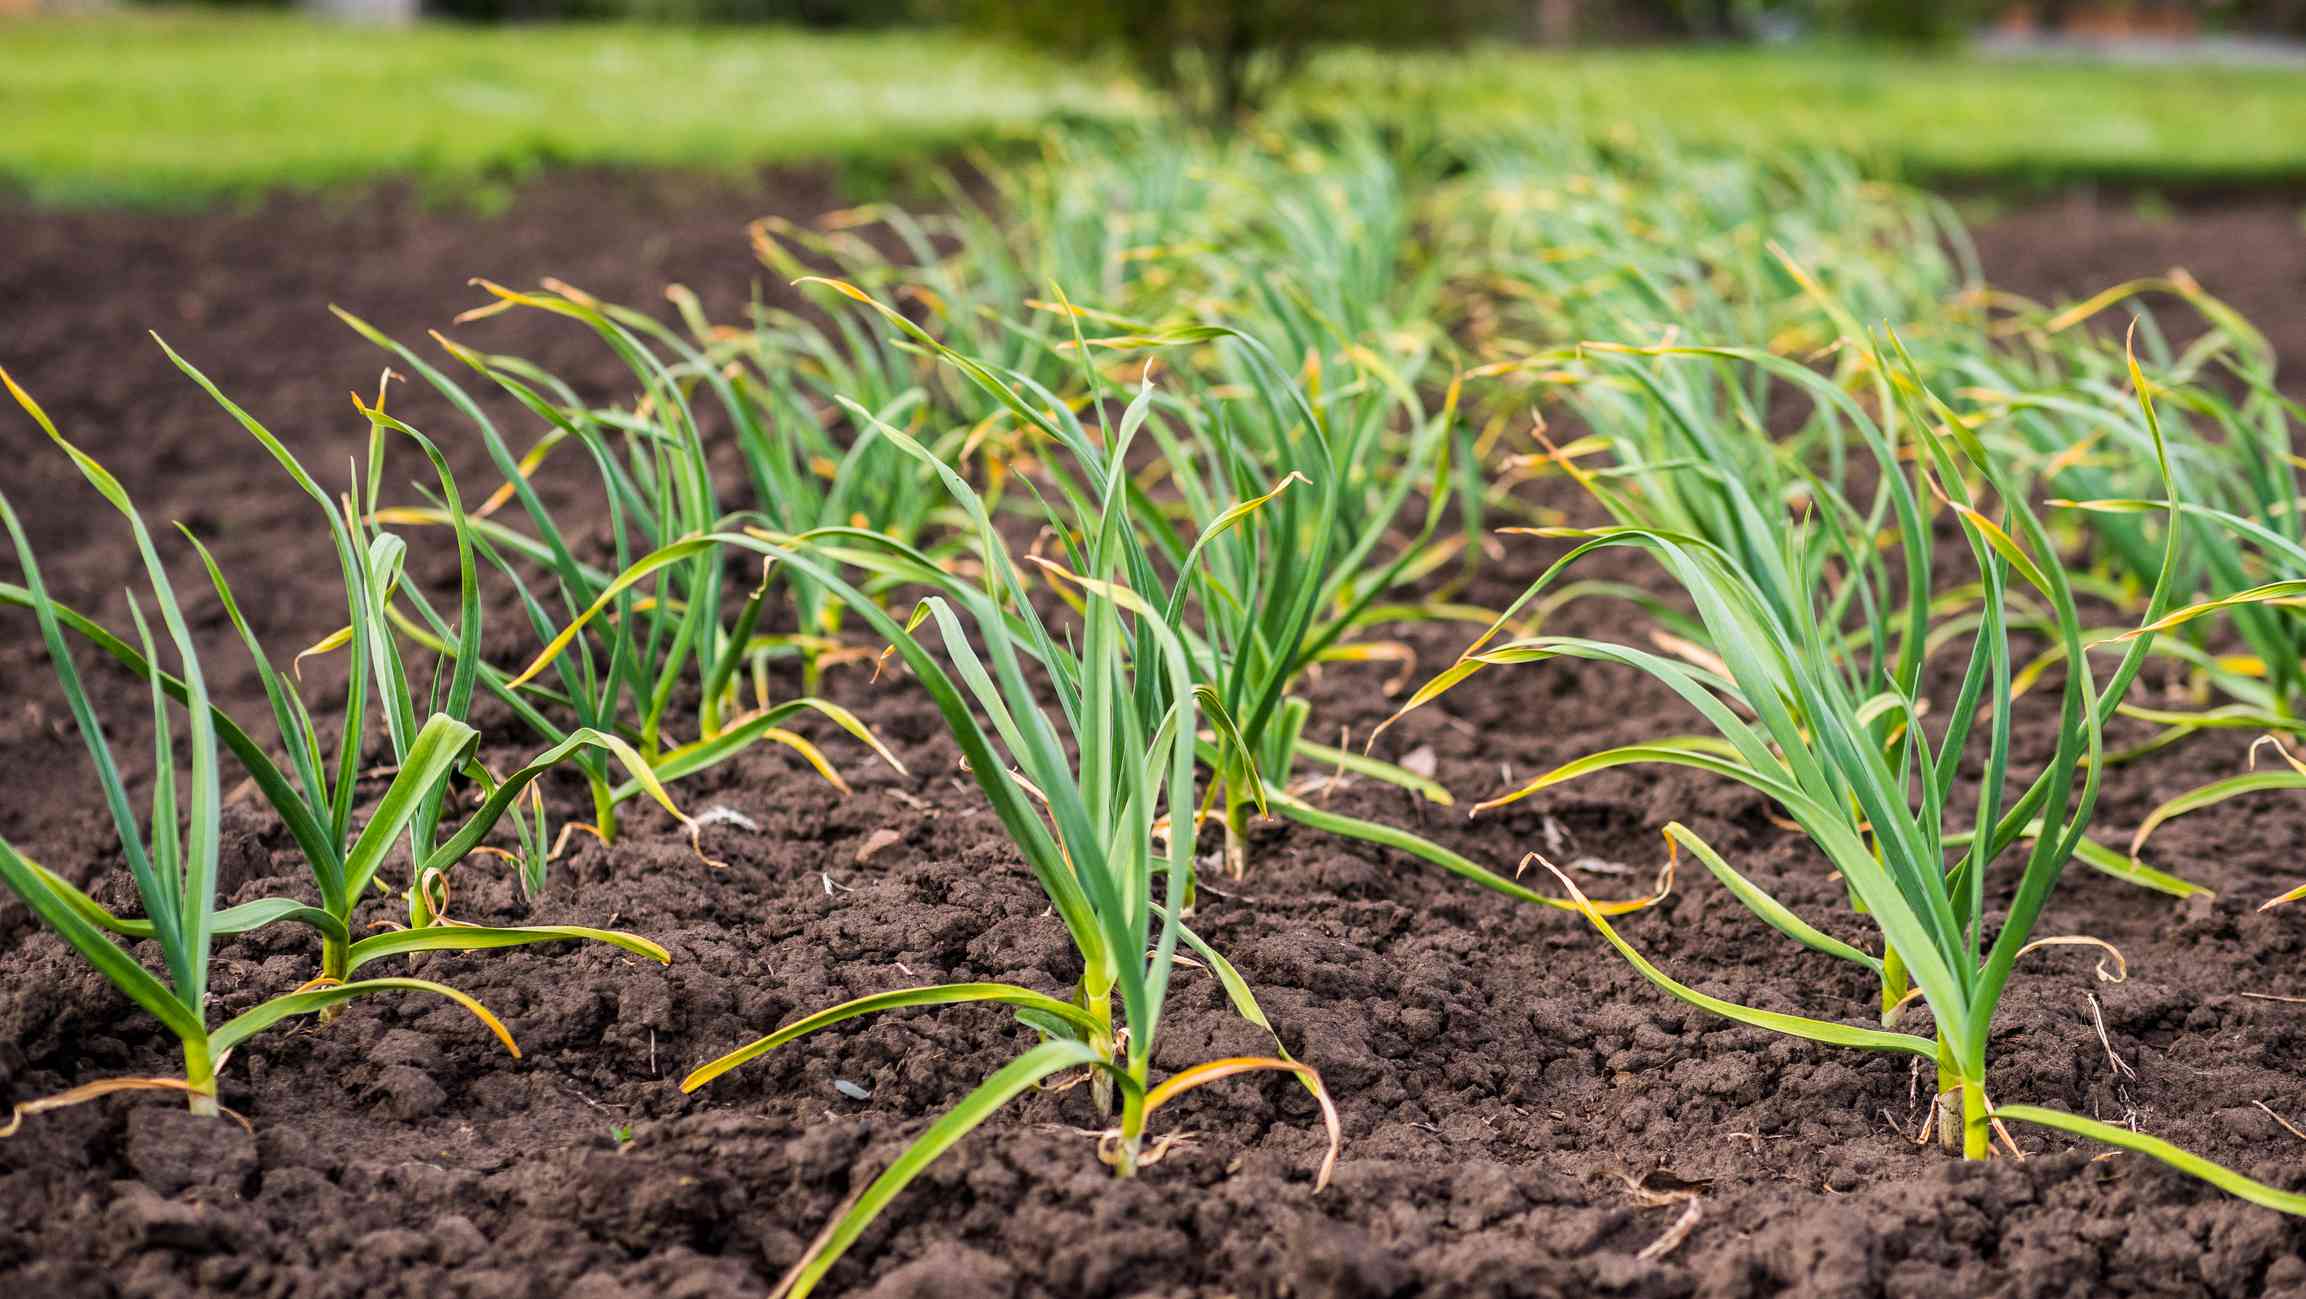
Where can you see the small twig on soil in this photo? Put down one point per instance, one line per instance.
(1558, 840)
(2004, 1134)
(1686, 1196)
(2287, 1126)
(2122, 1068)
(568, 831)
(603, 1108)
(1658, 1197)
(1323, 790)
(876, 842)
(1675, 1234)
(723, 814)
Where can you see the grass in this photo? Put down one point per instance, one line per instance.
(177, 107)
(162, 107)
(1926, 117)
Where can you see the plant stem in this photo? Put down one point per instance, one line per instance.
(335, 957)
(1100, 1007)
(420, 912)
(604, 807)
(200, 1072)
(1974, 1129)
(1236, 832)
(1949, 1082)
(1894, 985)
(1132, 1130)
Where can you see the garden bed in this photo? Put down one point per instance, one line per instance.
(1523, 1113)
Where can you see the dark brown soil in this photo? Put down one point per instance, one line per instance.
(2251, 251)
(1504, 1080)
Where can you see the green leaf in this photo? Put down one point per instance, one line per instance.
(501, 797)
(1773, 912)
(71, 923)
(1361, 764)
(2290, 592)
(2212, 794)
(310, 838)
(2130, 870)
(263, 1016)
(473, 938)
(746, 731)
(946, 994)
(1457, 864)
(183, 899)
(440, 747)
(1014, 1078)
(2193, 1165)
(1816, 1030)
(245, 918)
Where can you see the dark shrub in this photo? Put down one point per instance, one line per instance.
(1221, 58)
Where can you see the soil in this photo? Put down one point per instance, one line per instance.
(1523, 1114)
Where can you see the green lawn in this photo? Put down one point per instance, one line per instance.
(1930, 117)
(169, 106)
(159, 107)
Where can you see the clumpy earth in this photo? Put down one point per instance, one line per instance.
(1523, 1114)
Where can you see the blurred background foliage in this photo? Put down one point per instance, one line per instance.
(1218, 58)
(1274, 23)
(1073, 23)
(159, 103)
